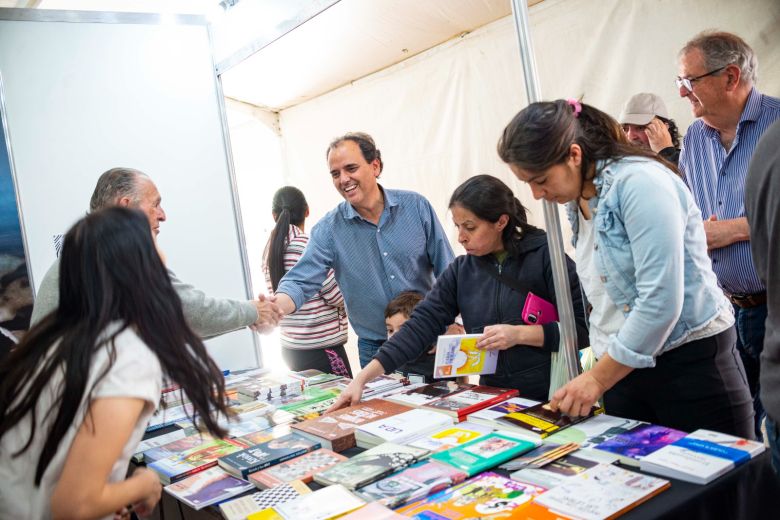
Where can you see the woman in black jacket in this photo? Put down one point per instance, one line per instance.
(506, 259)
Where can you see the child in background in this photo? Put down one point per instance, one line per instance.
(396, 313)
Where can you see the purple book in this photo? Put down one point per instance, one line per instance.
(640, 441)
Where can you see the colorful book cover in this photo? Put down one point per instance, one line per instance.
(243, 507)
(541, 421)
(167, 416)
(370, 466)
(753, 448)
(336, 430)
(490, 414)
(450, 436)
(640, 441)
(555, 473)
(324, 504)
(458, 355)
(259, 437)
(261, 456)
(604, 491)
(594, 431)
(463, 403)
(372, 511)
(161, 440)
(484, 453)
(188, 462)
(485, 496)
(300, 468)
(208, 487)
(428, 393)
(176, 446)
(413, 483)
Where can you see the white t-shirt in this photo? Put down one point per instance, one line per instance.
(605, 318)
(136, 373)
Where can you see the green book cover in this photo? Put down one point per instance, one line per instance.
(481, 454)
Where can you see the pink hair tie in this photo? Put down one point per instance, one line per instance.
(575, 105)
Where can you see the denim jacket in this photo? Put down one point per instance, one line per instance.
(651, 252)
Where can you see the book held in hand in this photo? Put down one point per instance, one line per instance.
(458, 355)
(244, 507)
(261, 456)
(370, 466)
(300, 468)
(485, 452)
(207, 487)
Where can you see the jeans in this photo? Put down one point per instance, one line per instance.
(366, 350)
(774, 442)
(750, 342)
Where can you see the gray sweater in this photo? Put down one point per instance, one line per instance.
(207, 316)
(762, 206)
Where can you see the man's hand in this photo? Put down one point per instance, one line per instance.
(722, 233)
(499, 337)
(578, 396)
(658, 135)
(268, 314)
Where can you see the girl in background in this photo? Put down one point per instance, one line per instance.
(314, 336)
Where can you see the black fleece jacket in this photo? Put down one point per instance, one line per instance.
(467, 288)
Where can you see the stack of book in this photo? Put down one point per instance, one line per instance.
(427, 394)
(461, 404)
(380, 386)
(179, 465)
(268, 387)
(313, 377)
(399, 428)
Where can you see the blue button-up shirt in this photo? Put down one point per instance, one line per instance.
(405, 251)
(717, 180)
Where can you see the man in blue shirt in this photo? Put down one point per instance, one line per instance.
(717, 73)
(379, 242)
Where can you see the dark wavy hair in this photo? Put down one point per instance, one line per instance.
(488, 198)
(674, 132)
(541, 134)
(110, 272)
(288, 207)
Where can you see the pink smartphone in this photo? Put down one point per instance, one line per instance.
(538, 311)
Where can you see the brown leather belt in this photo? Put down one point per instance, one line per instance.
(746, 301)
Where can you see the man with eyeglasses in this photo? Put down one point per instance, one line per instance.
(717, 73)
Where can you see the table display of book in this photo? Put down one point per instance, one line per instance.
(420, 463)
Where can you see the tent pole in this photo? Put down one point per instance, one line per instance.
(567, 358)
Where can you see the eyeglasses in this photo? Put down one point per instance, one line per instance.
(688, 82)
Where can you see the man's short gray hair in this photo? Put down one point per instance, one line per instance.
(113, 185)
(721, 49)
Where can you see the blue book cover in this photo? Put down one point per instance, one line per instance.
(716, 450)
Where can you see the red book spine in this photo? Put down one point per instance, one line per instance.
(463, 412)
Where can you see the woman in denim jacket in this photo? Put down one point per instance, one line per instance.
(661, 328)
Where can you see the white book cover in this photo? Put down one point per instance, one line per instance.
(753, 448)
(458, 355)
(683, 464)
(328, 502)
(602, 492)
(449, 436)
(402, 427)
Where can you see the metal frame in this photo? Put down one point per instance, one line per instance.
(567, 352)
(12, 167)
(54, 15)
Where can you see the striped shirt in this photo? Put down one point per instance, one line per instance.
(320, 322)
(373, 262)
(717, 180)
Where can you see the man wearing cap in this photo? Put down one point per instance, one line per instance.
(717, 73)
(646, 124)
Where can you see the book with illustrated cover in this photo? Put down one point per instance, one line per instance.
(488, 495)
(485, 452)
(450, 436)
(163, 417)
(259, 437)
(464, 403)
(207, 487)
(399, 428)
(336, 430)
(324, 504)
(269, 453)
(458, 355)
(300, 468)
(370, 466)
(414, 483)
(700, 457)
(640, 441)
(161, 440)
(243, 507)
(594, 431)
(555, 473)
(488, 416)
(603, 492)
(540, 421)
(372, 511)
(199, 458)
(428, 393)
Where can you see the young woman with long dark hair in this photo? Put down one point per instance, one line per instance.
(314, 336)
(507, 258)
(78, 391)
(661, 328)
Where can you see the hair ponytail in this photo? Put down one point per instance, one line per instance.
(289, 207)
